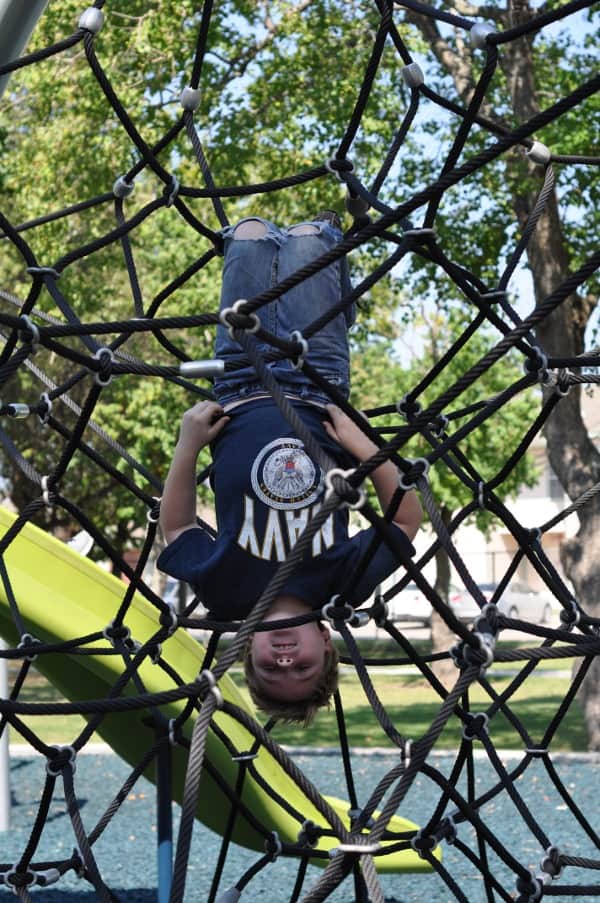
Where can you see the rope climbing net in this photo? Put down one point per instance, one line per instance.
(75, 370)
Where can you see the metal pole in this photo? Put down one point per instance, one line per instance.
(4, 754)
(18, 18)
(164, 821)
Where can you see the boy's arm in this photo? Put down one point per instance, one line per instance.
(199, 426)
(341, 429)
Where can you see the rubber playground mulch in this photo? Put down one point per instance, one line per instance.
(126, 851)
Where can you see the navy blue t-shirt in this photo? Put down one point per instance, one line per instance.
(267, 489)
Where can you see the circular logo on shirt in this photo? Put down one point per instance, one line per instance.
(284, 477)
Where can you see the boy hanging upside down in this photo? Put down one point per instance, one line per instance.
(266, 486)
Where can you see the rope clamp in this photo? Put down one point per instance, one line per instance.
(487, 643)
(212, 687)
(18, 410)
(331, 490)
(47, 402)
(174, 191)
(423, 463)
(360, 619)
(381, 609)
(539, 153)
(296, 336)
(438, 426)
(155, 653)
(48, 877)
(153, 513)
(493, 296)
(172, 737)
(168, 618)
(29, 875)
(346, 613)
(363, 849)
(550, 865)
(122, 188)
(412, 75)
(27, 639)
(408, 408)
(44, 271)
(405, 753)
(309, 833)
(482, 719)
(225, 314)
(109, 357)
(563, 386)
(533, 886)
(450, 832)
(112, 633)
(244, 757)
(427, 234)
(91, 19)
(29, 333)
(539, 363)
(537, 752)
(46, 490)
(190, 99)
(423, 843)
(478, 34)
(66, 754)
(481, 494)
(273, 845)
(570, 616)
(337, 171)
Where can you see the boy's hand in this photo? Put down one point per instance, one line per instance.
(200, 425)
(344, 431)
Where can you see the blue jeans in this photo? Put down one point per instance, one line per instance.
(253, 265)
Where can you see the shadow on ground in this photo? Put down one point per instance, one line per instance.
(90, 896)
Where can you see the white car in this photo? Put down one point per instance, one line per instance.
(410, 605)
(517, 601)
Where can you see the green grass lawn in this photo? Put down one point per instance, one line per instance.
(412, 706)
(409, 700)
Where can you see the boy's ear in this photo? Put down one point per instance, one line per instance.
(326, 637)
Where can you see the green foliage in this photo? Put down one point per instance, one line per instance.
(278, 89)
(379, 378)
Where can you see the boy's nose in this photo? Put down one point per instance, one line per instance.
(284, 660)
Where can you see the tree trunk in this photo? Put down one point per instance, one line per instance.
(442, 638)
(572, 454)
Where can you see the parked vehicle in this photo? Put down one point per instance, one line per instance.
(410, 605)
(517, 601)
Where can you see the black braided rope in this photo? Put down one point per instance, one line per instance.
(431, 423)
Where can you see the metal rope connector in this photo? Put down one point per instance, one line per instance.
(418, 467)
(296, 336)
(91, 19)
(235, 309)
(65, 757)
(412, 74)
(345, 501)
(335, 613)
(212, 686)
(103, 375)
(29, 332)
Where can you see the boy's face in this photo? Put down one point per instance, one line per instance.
(288, 663)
